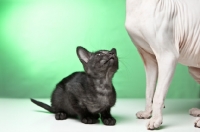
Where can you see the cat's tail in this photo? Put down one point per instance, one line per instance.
(43, 105)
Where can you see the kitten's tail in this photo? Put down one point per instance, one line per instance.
(43, 105)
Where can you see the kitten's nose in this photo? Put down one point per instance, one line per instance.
(111, 53)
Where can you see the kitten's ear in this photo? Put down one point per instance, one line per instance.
(83, 54)
(113, 50)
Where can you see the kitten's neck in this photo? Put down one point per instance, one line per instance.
(103, 82)
(103, 85)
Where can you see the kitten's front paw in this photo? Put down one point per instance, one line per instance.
(61, 116)
(88, 120)
(110, 121)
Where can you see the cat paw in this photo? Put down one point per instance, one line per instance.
(110, 121)
(61, 116)
(143, 115)
(197, 123)
(194, 112)
(154, 123)
(88, 120)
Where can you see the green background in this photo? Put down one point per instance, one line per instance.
(38, 40)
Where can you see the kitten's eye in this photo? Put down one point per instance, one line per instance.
(99, 54)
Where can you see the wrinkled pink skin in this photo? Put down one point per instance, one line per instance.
(165, 32)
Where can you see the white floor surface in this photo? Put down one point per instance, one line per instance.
(21, 115)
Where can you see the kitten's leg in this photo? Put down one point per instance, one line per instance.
(89, 118)
(96, 116)
(78, 106)
(61, 116)
(85, 116)
(81, 111)
(106, 118)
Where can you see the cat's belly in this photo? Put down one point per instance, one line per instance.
(190, 51)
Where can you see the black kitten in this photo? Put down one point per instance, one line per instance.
(87, 94)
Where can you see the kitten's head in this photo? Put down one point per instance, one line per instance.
(98, 64)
